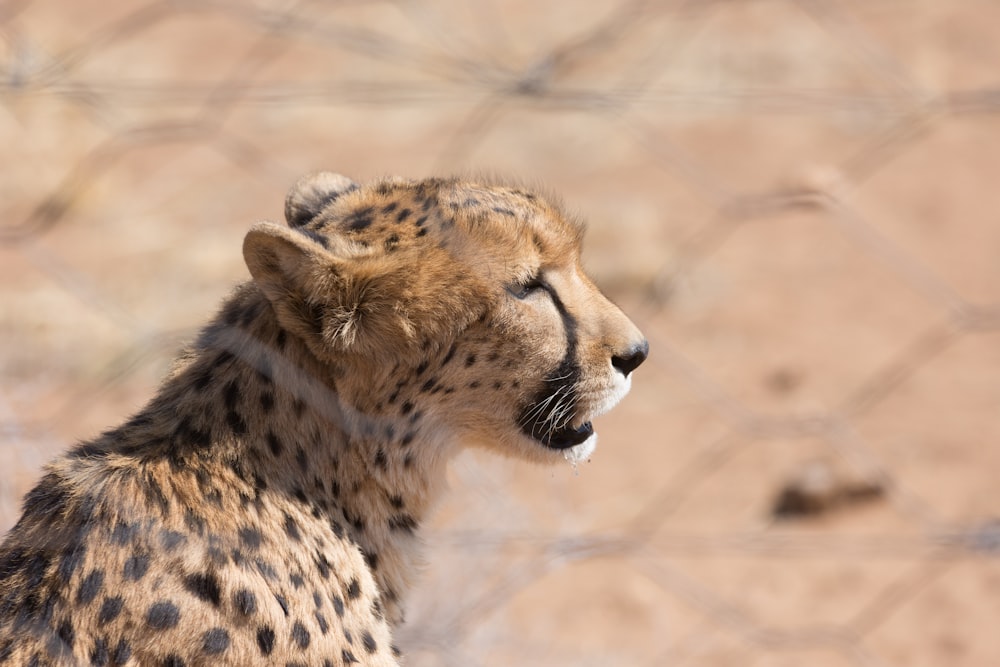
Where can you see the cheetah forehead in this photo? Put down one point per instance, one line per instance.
(394, 214)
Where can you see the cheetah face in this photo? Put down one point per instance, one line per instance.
(459, 302)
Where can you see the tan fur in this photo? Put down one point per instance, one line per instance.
(263, 507)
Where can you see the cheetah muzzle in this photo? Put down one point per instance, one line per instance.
(264, 506)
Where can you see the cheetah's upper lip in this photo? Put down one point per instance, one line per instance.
(567, 437)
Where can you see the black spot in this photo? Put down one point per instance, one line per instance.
(369, 642)
(122, 652)
(503, 211)
(215, 641)
(250, 537)
(396, 501)
(266, 569)
(66, 632)
(245, 602)
(300, 635)
(422, 232)
(292, 528)
(357, 521)
(451, 353)
(124, 533)
(420, 222)
(90, 587)
(135, 567)
(380, 459)
(324, 627)
(360, 219)
(322, 565)
(186, 434)
(202, 378)
(403, 522)
(338, 605)
(154, 495)
(281, 340)
(109, 610)
(274, 443)
(267, 401)
(204, 587)
(427, 386)
(98, 655)
(395, 651)
(371, 558)
(282, 602)
(353, 589)
(347, 657)
(390, 207)
(407, 439)
(474, 384)
(68, 563)
(497, 385)
(406, 408)
(296, 580)
(163, 616)
(217, 555)
(301, 459)
(265, 640)
(173, 660)
(408, 460)
(171, 539)
(231, 394)
(236, 422)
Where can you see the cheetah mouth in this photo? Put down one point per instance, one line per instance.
(562, 438)
(550, 418)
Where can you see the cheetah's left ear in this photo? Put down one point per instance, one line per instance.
(324, 291)
(285, 264)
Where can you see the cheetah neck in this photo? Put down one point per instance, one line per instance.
(281, 428)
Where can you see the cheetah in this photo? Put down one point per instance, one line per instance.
(264, 506)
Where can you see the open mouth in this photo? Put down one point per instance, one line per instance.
(563, 438)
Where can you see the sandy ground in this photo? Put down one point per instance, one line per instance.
(797, 202)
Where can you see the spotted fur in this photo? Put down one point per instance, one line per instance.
(264, 506)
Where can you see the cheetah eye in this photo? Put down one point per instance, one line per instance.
(525, 289)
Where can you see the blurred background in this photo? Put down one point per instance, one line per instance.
(796, 200)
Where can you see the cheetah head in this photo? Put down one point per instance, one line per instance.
(448, 310)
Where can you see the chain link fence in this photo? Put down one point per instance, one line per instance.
(795, 199)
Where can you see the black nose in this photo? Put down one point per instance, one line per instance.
(630, 361)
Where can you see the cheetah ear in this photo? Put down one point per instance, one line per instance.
(322, 289)
(312, 193)
(284, 264)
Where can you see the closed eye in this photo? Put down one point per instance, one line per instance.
(527, 288)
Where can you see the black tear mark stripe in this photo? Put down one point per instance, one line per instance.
(570, 326)
(562, 380)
